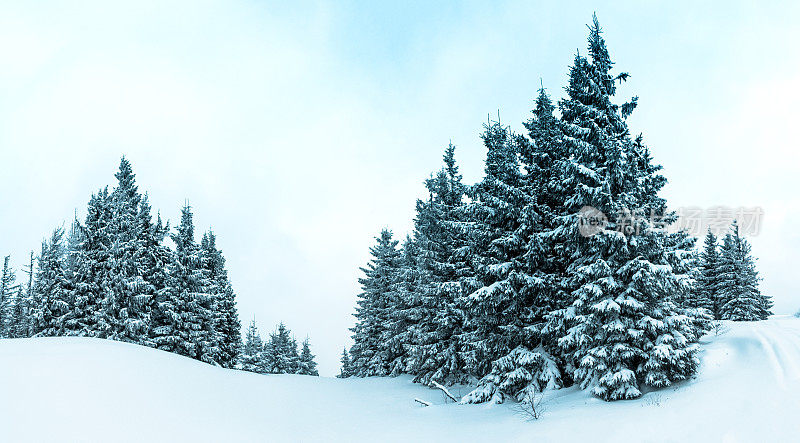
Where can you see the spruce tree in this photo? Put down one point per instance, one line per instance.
(525, 355)
(346, 369)
(226, 317)
(435, 265)
(91, 279)
(623, 329)
(21, 324)
(19, 321)
(280, 352)
(51, 308)
(156, 259)
(128, 297)
(521, 267)
(253, 352)
(497, 311)
(371, 352)
(496, 207)
(188, 310)
(307, 365)
(405, 315)
(72, 247)
(708, 287)
(252, 358)
(686, 298)
(8, 288)
(738, 281)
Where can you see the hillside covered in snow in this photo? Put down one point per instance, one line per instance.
(81, 389)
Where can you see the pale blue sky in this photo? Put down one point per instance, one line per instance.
(298, 132)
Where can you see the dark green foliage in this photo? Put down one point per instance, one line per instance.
(278, 355)
(90, 274)
(738, 281)
(372, 352)
(8, 289)
(115, 278)
(226, 317)
(504, 281)
(252, 358)
(20, 321)
(708, 292)
(307, 365)
(51, 312)
(623, 328)
(431, 321)
(280, 352)
(128, 297)
(346, 369)
(189, 330)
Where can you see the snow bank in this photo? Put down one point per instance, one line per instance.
(78, 389)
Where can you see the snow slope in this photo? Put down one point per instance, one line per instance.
(77, 389)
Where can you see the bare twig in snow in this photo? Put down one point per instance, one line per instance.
(718, 327)
(531, 405)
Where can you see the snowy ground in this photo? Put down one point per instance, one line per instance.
(74, 389)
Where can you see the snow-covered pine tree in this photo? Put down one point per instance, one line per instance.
(684, 260)
(708, 279)
(545, 157)
(72, 247)
(252, 358)
(20, 320)
(8, 288)
(404, 317)
(623, 328)
(127, 300)
(293, 357)
(52, 303)
(371, 353)
(153, 258)
(346, 369)
(437, 262)
(226, 317)
(679, 246)
(189, 329)
(280, 352)
(738, 281)
(90, 279)
(496, 211)
(509, 312)
(307, 365)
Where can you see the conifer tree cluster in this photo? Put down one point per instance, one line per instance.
(112, 276)
(278, 355)
(728, 282)
(505, 282)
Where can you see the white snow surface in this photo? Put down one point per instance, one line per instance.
(80, 389)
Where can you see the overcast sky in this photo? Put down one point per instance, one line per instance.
(298, 133)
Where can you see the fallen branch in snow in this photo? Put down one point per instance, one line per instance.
(443, 389)
(422, 402)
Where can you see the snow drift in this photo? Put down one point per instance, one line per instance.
(79, 389)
